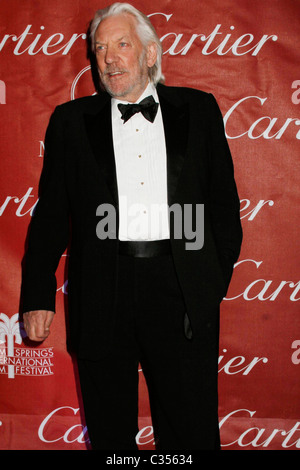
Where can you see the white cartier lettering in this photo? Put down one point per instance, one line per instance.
(221, 40)
(261, 127)
(263, 289)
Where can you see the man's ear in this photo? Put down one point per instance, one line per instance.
(151, 54)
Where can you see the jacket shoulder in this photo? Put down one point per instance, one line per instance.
(86, 104)
(183, 93)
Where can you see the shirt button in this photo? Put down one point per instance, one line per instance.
(140, 156)
(142, 182)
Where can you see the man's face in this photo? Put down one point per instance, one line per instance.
(122, 60)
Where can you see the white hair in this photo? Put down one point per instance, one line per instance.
(144, 29)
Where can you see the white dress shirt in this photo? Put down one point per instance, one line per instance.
(141, 166)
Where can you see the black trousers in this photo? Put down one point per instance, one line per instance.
(181, 381)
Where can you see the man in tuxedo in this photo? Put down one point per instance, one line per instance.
(138, 291)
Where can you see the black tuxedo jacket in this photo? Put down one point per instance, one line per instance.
(79, 174)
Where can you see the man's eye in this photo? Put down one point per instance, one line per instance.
(100, 48)
(123, 44)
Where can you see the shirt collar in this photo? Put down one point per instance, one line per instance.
(149, 90)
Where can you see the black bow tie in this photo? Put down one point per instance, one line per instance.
(148, 107)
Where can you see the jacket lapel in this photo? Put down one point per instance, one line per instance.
(99, 130)
(175, 119)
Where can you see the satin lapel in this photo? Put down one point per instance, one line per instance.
(175, 119)
(99, 130)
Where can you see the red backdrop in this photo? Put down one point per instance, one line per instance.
(245, 53)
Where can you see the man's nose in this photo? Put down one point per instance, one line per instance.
(111, 55)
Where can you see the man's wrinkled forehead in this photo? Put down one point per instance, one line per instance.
(116, 28)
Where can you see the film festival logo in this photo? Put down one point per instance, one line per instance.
(21, 361)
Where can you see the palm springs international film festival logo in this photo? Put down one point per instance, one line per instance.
(15, 360)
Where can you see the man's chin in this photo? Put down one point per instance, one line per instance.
(114, 90)
(122, 90)
(121, 94)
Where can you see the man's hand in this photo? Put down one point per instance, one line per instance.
(37, 324)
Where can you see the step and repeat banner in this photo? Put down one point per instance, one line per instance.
(245, 52)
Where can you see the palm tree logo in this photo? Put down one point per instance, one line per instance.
(12, 330)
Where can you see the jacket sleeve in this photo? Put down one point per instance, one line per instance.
(49, 228)
(224, 200)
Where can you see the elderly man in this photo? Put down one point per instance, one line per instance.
(139, 290)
